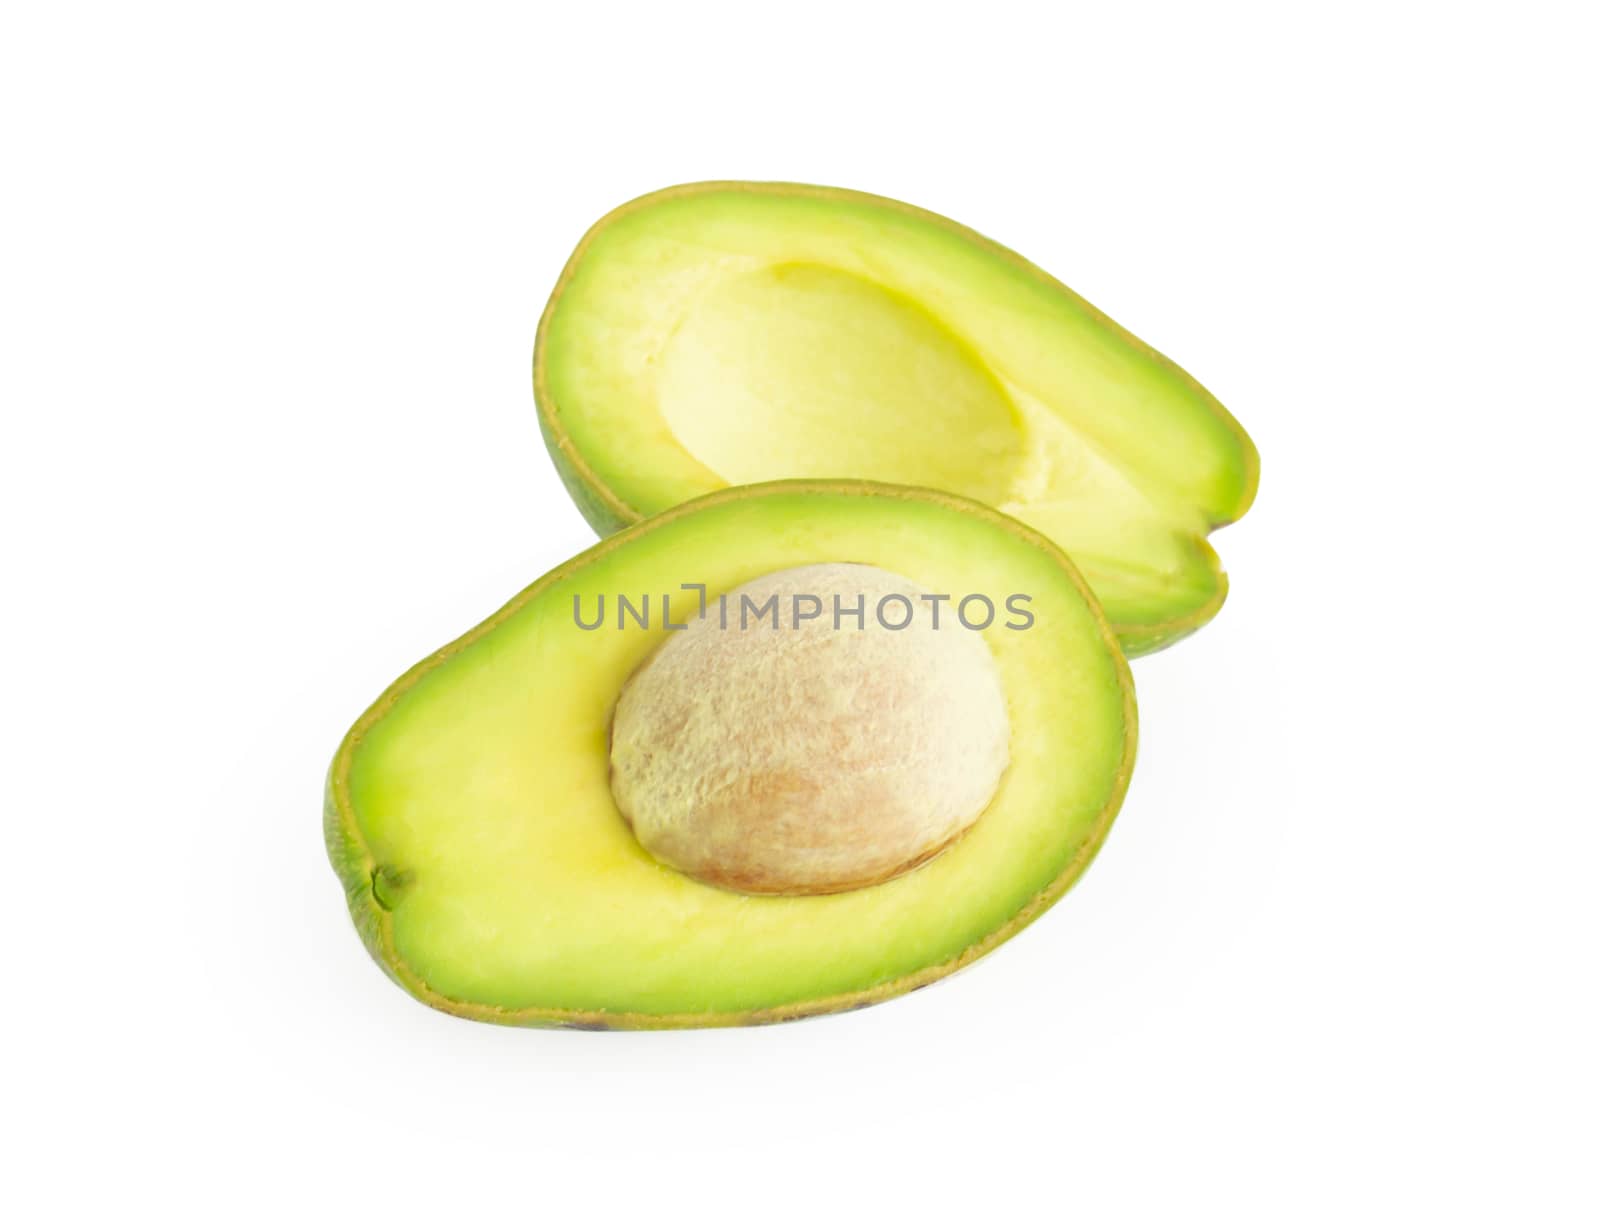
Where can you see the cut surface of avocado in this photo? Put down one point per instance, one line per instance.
(732, 332)
(471, 818)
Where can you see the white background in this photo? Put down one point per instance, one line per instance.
(269, 278)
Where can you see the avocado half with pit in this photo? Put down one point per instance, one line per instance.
(732, 332)
(786, 749)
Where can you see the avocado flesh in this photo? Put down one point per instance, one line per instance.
(729, 333)
(488, 870)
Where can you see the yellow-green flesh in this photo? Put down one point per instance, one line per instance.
(478, 785)
(732, 333)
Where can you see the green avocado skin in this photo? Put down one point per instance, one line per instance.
(595, 510)
(353, 868)
(1142, 644)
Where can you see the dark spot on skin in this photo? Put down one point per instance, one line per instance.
(584, 1026)
(389, 885)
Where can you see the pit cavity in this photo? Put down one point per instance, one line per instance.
(801, 370)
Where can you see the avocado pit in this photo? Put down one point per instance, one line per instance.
(815, 750)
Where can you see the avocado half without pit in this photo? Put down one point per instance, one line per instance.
(729, 333)
(786, 749)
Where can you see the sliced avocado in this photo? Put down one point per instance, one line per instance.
(488, 868)
(734, 332)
